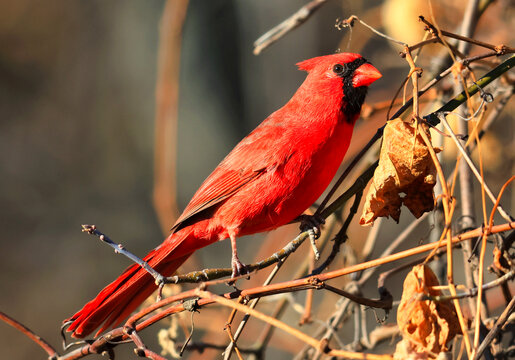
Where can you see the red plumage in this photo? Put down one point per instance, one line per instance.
(272, 176)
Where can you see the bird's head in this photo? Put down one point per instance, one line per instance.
(342, 66)
(344, 77)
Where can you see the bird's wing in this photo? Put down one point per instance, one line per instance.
(251, 158)
(220, 185)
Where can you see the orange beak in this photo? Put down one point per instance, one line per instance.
(365, 75)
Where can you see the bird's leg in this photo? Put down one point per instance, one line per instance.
(312, 224)
(238, 268)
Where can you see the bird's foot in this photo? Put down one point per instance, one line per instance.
(312, 224)
(238, 268)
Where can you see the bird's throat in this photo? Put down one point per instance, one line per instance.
(352, 100)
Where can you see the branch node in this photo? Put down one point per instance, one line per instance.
(127, 330)
(140, 352)
(324, 346)
(316, 283)
(501, 49)
(191, 305)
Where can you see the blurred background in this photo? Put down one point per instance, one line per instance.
(77, 109)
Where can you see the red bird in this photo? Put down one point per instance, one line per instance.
(271, 177)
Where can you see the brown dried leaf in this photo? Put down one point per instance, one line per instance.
(405, 167)
(427, 324)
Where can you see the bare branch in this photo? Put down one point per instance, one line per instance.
(297, 19)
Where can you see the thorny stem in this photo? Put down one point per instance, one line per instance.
(383, 303)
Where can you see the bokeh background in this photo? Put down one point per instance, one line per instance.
(77, 109)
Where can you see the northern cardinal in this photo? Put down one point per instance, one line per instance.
(271, 177)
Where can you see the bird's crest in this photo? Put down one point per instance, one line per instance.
(310, 64)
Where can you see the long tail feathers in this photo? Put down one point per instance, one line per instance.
(118, 299)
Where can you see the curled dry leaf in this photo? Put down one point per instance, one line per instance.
(428, 325)
(405, 167)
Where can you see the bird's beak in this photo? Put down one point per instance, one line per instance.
(365, 75)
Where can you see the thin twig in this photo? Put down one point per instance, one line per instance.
(383, 303)
(330, 329)
(472, 90)
(496, 329)
(201, 346)
(308, 303)
(473, 291)
(52, 354)
(120, 249)
(246, 317)
(349, 22)
(481, 269)
(500, 49)
(295, 20)
(467, 158)
(341, 236)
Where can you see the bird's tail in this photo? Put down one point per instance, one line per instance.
(118, 299)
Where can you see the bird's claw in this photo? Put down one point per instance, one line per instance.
(238, 268)
(312, 224)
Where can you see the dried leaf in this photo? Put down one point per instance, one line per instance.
(427, 324)
(405, 167)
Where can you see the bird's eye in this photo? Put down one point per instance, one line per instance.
(338, 69)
